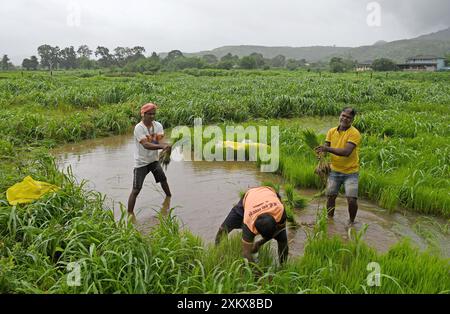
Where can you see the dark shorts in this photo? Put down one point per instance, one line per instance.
(141, 172)
(350, 182)
(235, 218)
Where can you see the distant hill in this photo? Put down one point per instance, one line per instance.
(313, 53)
(437, 43)
(440, 35)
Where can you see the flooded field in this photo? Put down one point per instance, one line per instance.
(204, 192)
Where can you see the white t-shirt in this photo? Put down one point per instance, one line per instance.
(143, 156)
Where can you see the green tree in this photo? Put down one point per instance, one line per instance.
(210, 59)
(174, 54)
(278, 61)
(5, 63)
(84, 51)
(137, 52)
(26, 64)
(155, 58)
(121, 54)
(229, 57)
(247, 62)
(49, 56)
(181, 63)
(384, 64)
(226, 65)
(106, 59)
(337, 65)
(34, 63)
(259, 59)
(228, 61)
(447, 60)
(85, 63)
(68, 58)
(144, 65)
(292, 64)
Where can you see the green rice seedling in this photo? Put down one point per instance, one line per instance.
(294, 200)
(273, 185)
(323, 168)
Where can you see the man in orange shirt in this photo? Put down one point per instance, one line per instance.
(343, 143)
(259, 211)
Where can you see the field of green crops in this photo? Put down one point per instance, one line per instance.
(405, 160)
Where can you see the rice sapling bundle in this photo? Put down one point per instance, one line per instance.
(323, 167)
(164, 158)
(165, 155)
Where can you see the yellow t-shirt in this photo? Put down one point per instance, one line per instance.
(338, 139)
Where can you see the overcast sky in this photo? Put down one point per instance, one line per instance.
(195, 25)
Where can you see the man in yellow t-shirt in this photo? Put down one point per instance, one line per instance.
(343, 143)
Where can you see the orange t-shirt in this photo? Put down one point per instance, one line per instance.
(258, 201)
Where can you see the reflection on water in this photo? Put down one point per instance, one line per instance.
(204, 192)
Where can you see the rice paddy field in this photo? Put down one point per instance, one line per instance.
(405, 166)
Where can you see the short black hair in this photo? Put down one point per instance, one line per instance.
(266, 226)
(351, 110)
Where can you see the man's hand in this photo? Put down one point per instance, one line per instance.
(166, 147)
(321, 149)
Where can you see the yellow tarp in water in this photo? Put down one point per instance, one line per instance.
(28, 190)
(242, 145)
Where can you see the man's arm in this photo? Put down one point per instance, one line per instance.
(346, 151)
(283, 248)
(257, 245)
(151, 146)
(247, 250)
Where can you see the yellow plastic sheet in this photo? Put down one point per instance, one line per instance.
(28, 191)
(242, 145)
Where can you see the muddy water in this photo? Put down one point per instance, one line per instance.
(204, 192)
(384, 229)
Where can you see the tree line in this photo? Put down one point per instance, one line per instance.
(133, 60)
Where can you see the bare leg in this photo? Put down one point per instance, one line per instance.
(166, 189)
(132, 200)
(331, 204)
(352, 208)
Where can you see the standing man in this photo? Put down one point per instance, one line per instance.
(147, 137)
(343, 143)
(259, 211)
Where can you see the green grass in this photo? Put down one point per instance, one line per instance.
(40, 240)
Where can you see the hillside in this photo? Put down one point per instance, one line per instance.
(437, 43)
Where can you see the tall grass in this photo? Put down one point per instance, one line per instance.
(41, 239)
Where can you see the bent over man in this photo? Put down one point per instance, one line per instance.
(259, 211)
